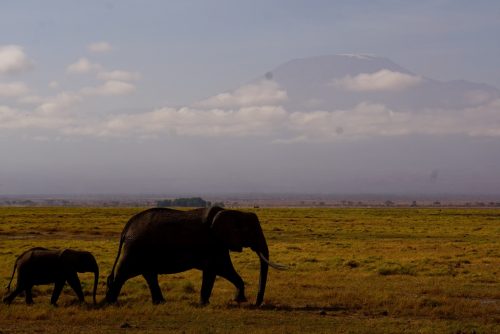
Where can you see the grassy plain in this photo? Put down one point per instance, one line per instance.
(351, 271)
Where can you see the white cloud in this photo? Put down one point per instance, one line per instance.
(371, 120)
(477, 96)
(479, 121)
(31, 99)
(13, 59)
(258, 113)
(14, 119)
(83, 65)
(59, 103)
(110, 88)
(6, 113)
(249, 121)
(363, 120)
(13, 89)
(266, 92)
(100, 47)
(383, 80)
(54, 84)
(119, 75)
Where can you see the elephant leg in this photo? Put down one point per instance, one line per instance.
(10, 297)
(74, 283)
(154, 288)
(29, 295)
(207, 285)
(57, 291)
(228, 272)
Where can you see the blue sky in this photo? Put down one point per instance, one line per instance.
(69, 66)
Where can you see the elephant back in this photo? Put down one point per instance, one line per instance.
(163, 225)
(28, 253)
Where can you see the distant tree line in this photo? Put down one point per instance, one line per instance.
(187, 202)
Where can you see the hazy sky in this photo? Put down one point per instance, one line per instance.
(104, 96)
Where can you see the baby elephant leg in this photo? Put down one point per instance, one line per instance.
(57, 291)
(74, 283)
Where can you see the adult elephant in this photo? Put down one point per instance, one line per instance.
(166, 241)
(38, 266)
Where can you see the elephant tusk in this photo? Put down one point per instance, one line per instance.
(272, 264)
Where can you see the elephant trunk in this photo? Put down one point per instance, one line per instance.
(262, 251)
(96, 280)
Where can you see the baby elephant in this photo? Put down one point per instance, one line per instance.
(40, 265)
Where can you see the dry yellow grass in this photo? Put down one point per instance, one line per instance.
(351, 271)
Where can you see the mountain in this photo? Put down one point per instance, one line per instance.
(338, 82)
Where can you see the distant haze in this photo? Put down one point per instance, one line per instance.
(127, 112)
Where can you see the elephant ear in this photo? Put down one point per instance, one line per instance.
(68, 259)
(209, 215)
(229, 229)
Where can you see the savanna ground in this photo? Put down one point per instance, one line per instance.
(351, 271)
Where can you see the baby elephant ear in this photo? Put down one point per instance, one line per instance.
(208, 216)
(227, 228)
(69, 259)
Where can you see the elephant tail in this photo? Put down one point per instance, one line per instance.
(12, 277)
(111, 276)
(17, 260)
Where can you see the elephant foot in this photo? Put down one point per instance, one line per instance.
(6, 301)
(203, 303)
(158, 301)
(110, 301)
(240, 299)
